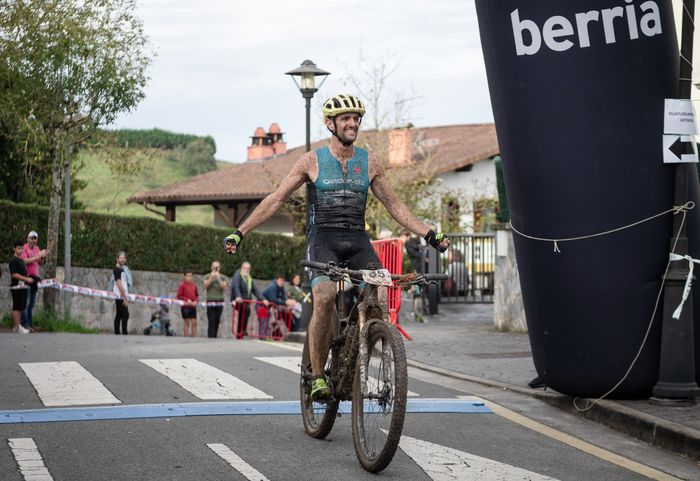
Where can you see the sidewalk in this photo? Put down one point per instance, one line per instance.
(461, 342)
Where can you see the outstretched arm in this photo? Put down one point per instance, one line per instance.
(398, 210)
(273, 202)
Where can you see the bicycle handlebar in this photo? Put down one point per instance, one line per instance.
(324, 267)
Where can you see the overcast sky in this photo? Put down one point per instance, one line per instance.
(220, 64)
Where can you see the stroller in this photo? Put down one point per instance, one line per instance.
(162, 315)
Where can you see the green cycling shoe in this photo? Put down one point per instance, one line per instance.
(320, 390)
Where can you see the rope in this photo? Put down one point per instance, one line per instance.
(677, 209)
(671, 258)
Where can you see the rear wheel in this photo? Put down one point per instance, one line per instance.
(318, 417)
(147, 331)
(377, 419)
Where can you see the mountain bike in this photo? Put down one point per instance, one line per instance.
(366, 364)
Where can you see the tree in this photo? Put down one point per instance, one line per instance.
(198, 157)
(69, 66)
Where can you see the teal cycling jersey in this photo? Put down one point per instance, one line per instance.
(337, 198)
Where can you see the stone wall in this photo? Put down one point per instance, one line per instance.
(99, 313)
(508, 309)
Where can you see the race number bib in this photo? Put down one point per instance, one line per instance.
(381, 277)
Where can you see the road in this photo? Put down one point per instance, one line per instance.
(123, 377)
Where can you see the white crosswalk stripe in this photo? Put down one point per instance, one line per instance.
(204, 381)
(66, 384)
(234, 460)
(292, 364)
(31, 464)
(447, 464)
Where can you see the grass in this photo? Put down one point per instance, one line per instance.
(49, 321)
(164, 172)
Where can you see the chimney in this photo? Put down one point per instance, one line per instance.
(278, 147)
(261, 147)
(399, 141)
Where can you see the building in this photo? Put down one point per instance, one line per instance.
(461, 156)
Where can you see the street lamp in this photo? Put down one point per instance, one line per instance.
(308, 73)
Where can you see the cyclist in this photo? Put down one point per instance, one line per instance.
(337, 179)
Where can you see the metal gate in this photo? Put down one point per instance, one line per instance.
(469, 263)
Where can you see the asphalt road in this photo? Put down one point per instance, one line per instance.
(521, 433)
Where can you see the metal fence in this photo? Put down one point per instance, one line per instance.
(469, 263)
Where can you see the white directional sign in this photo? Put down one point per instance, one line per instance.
(679, 117)
(680, 149)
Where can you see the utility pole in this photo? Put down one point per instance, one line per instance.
(66, 258)
(676, 384)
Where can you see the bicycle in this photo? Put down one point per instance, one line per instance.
(367, 339)
(148, 330)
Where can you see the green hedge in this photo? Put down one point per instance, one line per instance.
(150, 244)
(503, 214)
(159, 138)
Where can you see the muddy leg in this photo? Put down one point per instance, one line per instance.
(320, 328)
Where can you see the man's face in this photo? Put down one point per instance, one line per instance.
(404, 238)
(121, 260)
(188, 277)
(18, 250)
(280, 282)
(245, 269)
(215, 266)
(347, 124)
(31, 241)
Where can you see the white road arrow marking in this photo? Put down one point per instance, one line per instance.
(292, 364)
(31, 464)
(447, 464)
(239, 465)
(204, 381)
(66, 384)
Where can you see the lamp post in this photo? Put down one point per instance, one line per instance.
(676, 383)
(308, 73)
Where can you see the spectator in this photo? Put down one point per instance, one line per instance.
(162, 314)
(214, 285)
(413, 248)
(188, 292)
(384, 234)
(120, 285)
(18, 273)
(294, 292)
(274, 293)
(33, 257)
(242, 286)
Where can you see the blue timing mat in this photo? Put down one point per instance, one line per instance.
(138, 411)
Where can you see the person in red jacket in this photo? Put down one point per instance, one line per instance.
(188, 292)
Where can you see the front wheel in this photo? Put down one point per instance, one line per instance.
(147, 331)
(378, 416)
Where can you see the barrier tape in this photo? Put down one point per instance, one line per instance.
(111, 295)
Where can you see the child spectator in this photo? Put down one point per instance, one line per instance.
(18, 273)
(188, 292)
(162, 314)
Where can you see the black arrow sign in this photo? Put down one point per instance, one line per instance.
(681, 148)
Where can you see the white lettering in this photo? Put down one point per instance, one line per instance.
(608, 15)
(518, 28)
(528, 37)
(550, 33)
(632, 21)
(582, 21)
(653, 16)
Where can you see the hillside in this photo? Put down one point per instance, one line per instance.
(165, 172)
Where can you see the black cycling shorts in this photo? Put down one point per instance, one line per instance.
(326, 244)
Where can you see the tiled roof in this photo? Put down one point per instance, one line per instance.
(447, 148)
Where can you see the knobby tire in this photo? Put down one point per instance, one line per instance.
(375, 431)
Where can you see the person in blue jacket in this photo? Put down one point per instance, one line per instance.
(275, 294)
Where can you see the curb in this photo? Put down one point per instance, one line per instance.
(668, 435)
